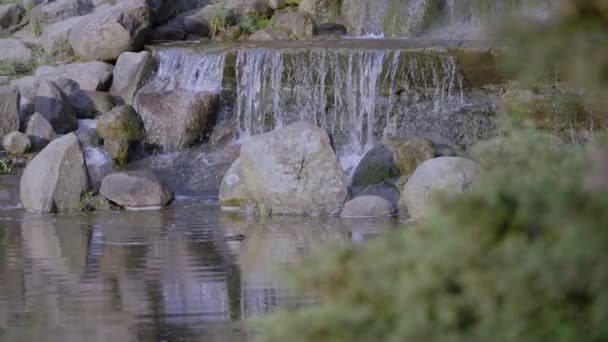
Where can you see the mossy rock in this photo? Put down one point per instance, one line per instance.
(121, 123)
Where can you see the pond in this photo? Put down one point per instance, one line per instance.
(191, 272)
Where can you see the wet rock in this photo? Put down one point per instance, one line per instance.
(135, 189)
(130, 70)
(291, 170)
(177, 118)
(300, 24)
(60, 10)
(367, 206)
(169, 32)
(197, 24)
(272, 33)
(387, 190)
(40, 131)
(255, 8)
(10, 100)
(322, 10)
(56, 178)
(55, 36)
(10, 15)
(330, 29)
(99, 164)
(223, 133)
(434, 176)
(120, 129)
(90, 104)
(55, 107)
(89, 75)
(108, 33)
(16, 143)
(14, 50)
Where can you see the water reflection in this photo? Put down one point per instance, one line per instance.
(167, 275)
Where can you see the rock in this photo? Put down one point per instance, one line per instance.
(330, 29)
(108, 33)
(16, 143)
(223, 132)
(300, 24)
(56, 178)
(197, 24)
(175, 119)
(322, 10)
(387, 190)
(129, 73)
(443, 174)
(60, 10)
(276, 4)
(392, 159)
(4, 80)
(272, 33)
(55, 36)
(255, 9)
(10, 15)
(10, 100)
(291, 170)
(96, 203)
(119, 150)
(40, 131)
(367, 206)
(87, 135)
(99, 164)
(168, 32)
(14, 50)
(121, 123)
(9, 191)
(55, 107)
(90, 104)
(28, 85)
(135, 189)
(89, 75)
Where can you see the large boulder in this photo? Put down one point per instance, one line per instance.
(367, 206)
(89, 75)
(108, 33)
(301, 24)
(10, 15)
(120, 129)
(55, 36)
(291, 170)
(90, 104)
(16, 143)
(10, 100)
(135, 189)
(175, 119)
(52, 103)
(51, 12)
(40, 131)
(433, 177)
(129, 73)
(56, 178)
(12, 50)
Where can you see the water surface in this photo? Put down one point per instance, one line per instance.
(187, 273)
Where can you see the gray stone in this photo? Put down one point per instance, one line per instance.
(40, 131)
(55, 36)
(322, 10)
(87, 135)
(129, 73)
(135, 189)
(175, 119)
(121, 123)
(272, 33)
(108, 33)
(367, 206)
(55, 107)
(10, 15)
(16, 143)
(89, 75)
(387, 190)
(56, 178)
(14, 50)
(90, 104)
(300, 24)
(99, 164)
(60, 10)
(10, 100)
(433, 177)
(291, 170)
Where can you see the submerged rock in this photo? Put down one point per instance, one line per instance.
(438, 175)
(367, 206)
(175, 119)
(56, 178)
(135, 189)
(291, 170)
(16, 143)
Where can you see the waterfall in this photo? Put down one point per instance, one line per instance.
(178, 69)
(351, 92)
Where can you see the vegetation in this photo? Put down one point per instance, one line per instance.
(6, 166)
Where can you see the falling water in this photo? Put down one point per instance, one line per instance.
(351, 93)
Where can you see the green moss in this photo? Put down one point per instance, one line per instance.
(6, 166)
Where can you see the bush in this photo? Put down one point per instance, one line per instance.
(521, 257)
